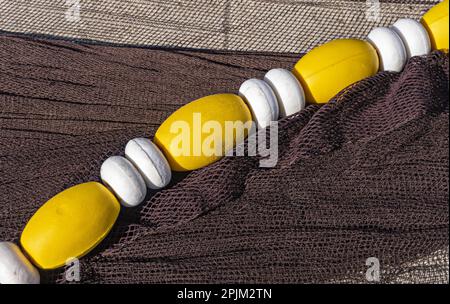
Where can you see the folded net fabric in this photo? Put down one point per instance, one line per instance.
(364, 176)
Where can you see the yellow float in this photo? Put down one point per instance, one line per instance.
(330, 68)
(197, 134)
(69, 225)
(436, 22)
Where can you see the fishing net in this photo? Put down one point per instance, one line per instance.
(362, 178)
(246, 25)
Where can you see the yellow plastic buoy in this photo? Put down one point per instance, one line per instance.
(199, 134)
(69, 225)
(436, 22)
(329, 68)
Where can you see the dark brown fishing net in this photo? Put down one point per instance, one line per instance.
(364, 176)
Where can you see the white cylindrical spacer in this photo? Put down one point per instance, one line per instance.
(15, 268)
(390, 48)
(124, 180)
(414, 36)
(261, 100)
(288, 90)
(150, 161)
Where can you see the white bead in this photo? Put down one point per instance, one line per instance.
(414, 36)
(15, 267)
(124, 180)
(288, 90)
(391, 51)
(261, 100)
(150, 162)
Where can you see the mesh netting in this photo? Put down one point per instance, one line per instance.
(364, 176)
(251, 25)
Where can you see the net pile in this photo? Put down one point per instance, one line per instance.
(364, 176)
